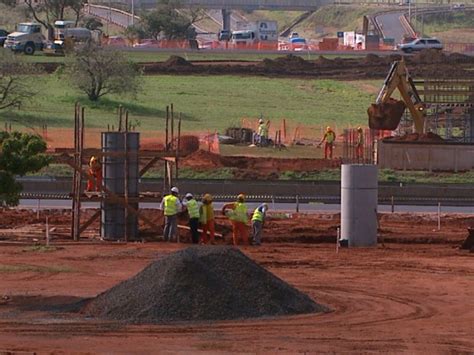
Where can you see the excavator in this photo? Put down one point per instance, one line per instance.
(387, 112)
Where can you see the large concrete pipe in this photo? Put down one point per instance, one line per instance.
(359, 204)
(113, 224)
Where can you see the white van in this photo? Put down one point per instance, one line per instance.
(243, 38)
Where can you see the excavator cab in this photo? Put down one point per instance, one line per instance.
(387, 112)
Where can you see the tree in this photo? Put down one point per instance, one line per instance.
(98, 72)
(15, 82)
(53, 10)
(91, 23)
(167, 21)
(20, 153)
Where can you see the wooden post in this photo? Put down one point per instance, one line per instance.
(74, 176)
(120, 118)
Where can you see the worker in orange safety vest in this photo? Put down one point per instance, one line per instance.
(329, 138)
(95, 175)
(206, 217)
(237, 213)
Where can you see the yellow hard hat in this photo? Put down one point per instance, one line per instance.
(241, 198)
(328, 128)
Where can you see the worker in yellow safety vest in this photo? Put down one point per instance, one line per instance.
(258, 219)
(207, 220)
(192, 206)
(237, 213)
(329, 138)
(262, 132)
(171, 206)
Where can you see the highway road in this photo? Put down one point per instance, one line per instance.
(391, 25)
(282, 207)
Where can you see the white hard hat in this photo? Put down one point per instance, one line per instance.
(260, 121)
(189, 195)
(175, 190)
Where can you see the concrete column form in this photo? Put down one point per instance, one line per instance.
(359, 192)
(114, 223)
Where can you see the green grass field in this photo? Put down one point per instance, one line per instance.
(206, 102)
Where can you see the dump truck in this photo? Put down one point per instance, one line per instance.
(387, 112)
(27, 38)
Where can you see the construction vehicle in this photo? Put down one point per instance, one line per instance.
(27, 38)
(66, 36)
(387, 112)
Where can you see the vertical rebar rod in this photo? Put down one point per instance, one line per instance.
(172, 127)
(74, 175)
(178, 148)
(125, 168)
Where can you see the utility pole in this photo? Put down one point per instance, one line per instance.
(133, 12)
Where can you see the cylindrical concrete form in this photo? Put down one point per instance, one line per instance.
(113, 222)
(359, 204)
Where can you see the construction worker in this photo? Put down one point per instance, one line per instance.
(192, 207)
(258, 219)
(95, 175)
(360, 143)
(262, 132)
(207, 220)
(329, 138)
(238, 216)
(171, 206)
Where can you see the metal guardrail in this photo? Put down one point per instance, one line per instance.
(455, 201)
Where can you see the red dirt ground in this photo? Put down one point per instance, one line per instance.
(415, 298)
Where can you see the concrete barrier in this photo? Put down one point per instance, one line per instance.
(425, 156)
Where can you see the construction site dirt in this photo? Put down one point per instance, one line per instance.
(416, 298)
(426, 64)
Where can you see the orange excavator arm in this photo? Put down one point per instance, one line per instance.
(386, 113)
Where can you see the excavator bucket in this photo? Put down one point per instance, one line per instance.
(386, 116)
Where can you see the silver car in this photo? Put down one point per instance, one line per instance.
(419, 44)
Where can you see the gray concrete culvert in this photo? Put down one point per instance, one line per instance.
(199, 284)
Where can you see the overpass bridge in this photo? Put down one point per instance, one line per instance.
(226, 6)
(282, 5)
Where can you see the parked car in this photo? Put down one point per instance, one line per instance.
(3, 36)
(419, 44)
(224, 35)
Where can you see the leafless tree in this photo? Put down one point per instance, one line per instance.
(53, 10)
(97, 72)
(15, 80)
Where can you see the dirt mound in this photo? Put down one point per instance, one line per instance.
(202, 159)
(458, 58)
(430, 56)
(323, 61)
(416, 137)
(373, 59)
(200, 283)
(469, 242)
(287, 63)
(175, 60)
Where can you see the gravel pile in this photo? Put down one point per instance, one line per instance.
(200, 283)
